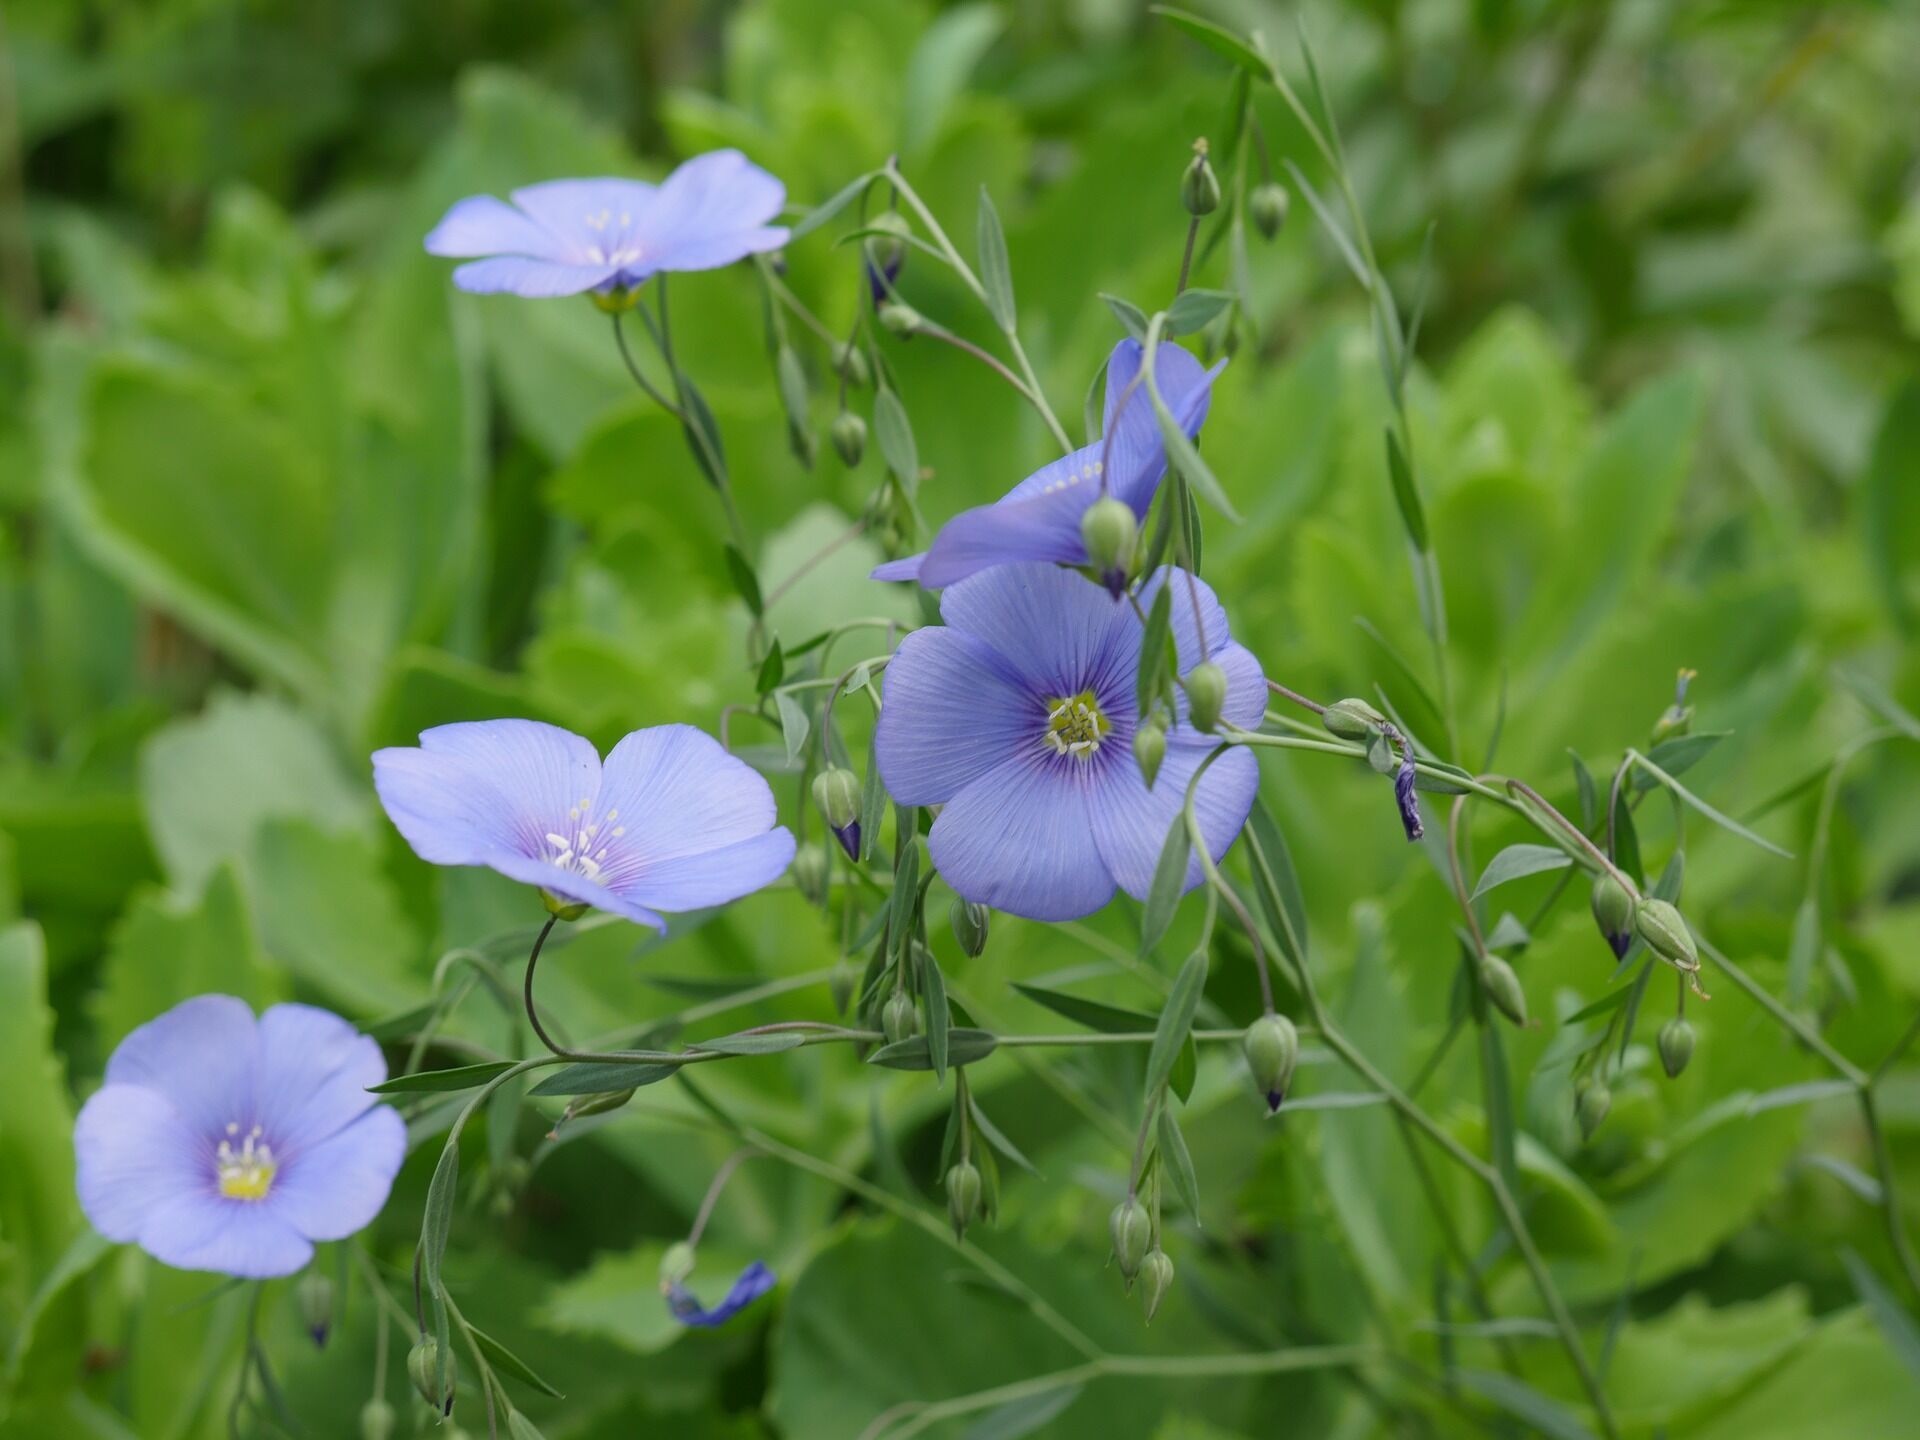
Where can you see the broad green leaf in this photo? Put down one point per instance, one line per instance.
(1176, 1020)
(1517, 861)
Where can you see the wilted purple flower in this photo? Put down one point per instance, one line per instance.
(1017, 718)
(755, 1281)
(1407, 799)
(228, 1144)
(1039, 519)
(567, 236)
(670, 822)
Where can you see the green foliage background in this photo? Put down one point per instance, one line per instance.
(273, 494)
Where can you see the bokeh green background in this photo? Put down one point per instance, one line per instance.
(272, 494)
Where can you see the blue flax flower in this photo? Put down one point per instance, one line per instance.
(755, 1281)
(1039, 519)
(568, 236)
(224, 1143)
(1017, 717)
(670, 822)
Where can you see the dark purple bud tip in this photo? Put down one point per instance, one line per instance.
(1621, 942)
(849, 837)
(1116, 582)
(1275, 1099)
(1408, 800)
(319, 1334)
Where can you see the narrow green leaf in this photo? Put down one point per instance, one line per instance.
(1851, 1176)
(437, 1222)
(1168, 884)
(740, 570)
(1276, 883)
(1193, 310)
(1179, 1162)
(1094, 1014)
(1184, 457)
(508, 1363)
(751, 1044)
(1244, 53)
(1332, 226)
(996, 272)
(773, 669)
(1176, 1020)
(1626, 840)
(1725, 822)
(461, 1077)
(906, 888)
(1589, 795)
(1679, 754)
(1025, 1416)
(1508, 932)
(1186, 1070)
(1808, 1093)
(1495, 1085)
(1542, 1415)
(1412, 513)
(598, 1077)
(1889, 506)
(873, 801)
(999, 1141)
(1131, 317)
(703, 433)
(1156, 651)
(939, 1017)
(1612, 1000)
(1518, 861)
(830, 207)
(894, 432)
(964, 1046)
(794, 725)
(1804, 948)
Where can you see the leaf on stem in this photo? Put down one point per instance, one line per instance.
(996, 271)
(461, 1077)
(1518, 861)
(1176, 1020)
(1725, 822)
(1168, 884)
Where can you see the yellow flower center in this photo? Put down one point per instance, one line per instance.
(245, 1168)
(1075, 726)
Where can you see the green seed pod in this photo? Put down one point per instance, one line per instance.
(1272, 1048)
(1503, 988)
(1268, 206)
(1591, 1101)
(1199, 186)
(899, 317)
(900, 1019)
(963, 1196)
(1666, 934)
(1352, 719)
(1676, 1046)
(809, 869)
(314, 1294)
(423, 1368)
(376, 1420)
(1156, 1279)
(521, 1428)
(1110, 532)
(1206, 687)
(1149, 749)
(850, 362)
(970, 920)
(1132, 1230)
(1613, 910)
(849, 437)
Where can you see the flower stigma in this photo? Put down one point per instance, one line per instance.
(585, 851)
(246, 1172)
(1075, 726)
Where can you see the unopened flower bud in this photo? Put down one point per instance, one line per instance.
(837, 793)
(1591, 1101)
(899, 1018)
(1677, 718)
(1132, 1231)
(963, 1195)
(809, 869)
(1268, 206)
(1503, 988)
(521, 1428)
(1352, 719)
(1666, 934)
(850, 437)
(886, 252)
(1206, 692)
(1110, 532)
(1156, 1279)
(676, 1264)
(314, 1295)
(970, 920)
(1200, 187)
(850, 362)
(840, 984)
(1613, 911)
(423, 1367)
(1676, 1046)
(899, 317)
(579, 1109)
(1149, 749)
(1272, 1047)
(376, 1420)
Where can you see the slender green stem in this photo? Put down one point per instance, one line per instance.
(639, 375)
(1801, 1030)
(1889, 1190)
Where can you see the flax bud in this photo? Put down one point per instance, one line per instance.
(850, 362)
(849, 437)
(899, 317)
(1199, 186)
(1591, 1101)
(376, 1420)
(1149, 749)
(315, 1297)
(970, 920)
(1613, 911)
(1132, 1231)
(1666, 934)
(837, 793)
(899, 1018)
(1110, 532)
(1503, 988)
(841, 982)
(1156, 1279)
(963, 1195)
(1268, 206)
(886, 252)
(1206, 692)
(1677, 719)
(1676, 1046)
(423, 1367)
(1272, 1047)
(809, 870)
(1352, 719)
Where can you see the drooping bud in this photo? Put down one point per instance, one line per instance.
(1268, 206)
(376, 1420)
(850, 363)
(1110, 532)
(1677, 718)
(579, 1109)
(423, 1367)
(314, 1294)
(676, 1264)
(841, 982)
(963, 1195)
(1132, 1231)
(1406, 796)
(1591, 1101)
(899, 1018)
(899, 317)
(849, 437)
(1503, 988)
(1352, 719)
(970, 920)
(1272, 1047)
(886, 252)
(1206, 687)
(561, 908)
(1149, 749)
(837, 793)
(521, 1428)
(1613, 911)
(809, 869)
(1156, 1279)
(1666, 934)
(1676, 1046)
(1200, 187)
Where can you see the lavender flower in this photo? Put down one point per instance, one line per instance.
(1039, 519)
(755, 1281)
(222, 1143)
(566, 236)
(670, 822)
(1017, 717)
